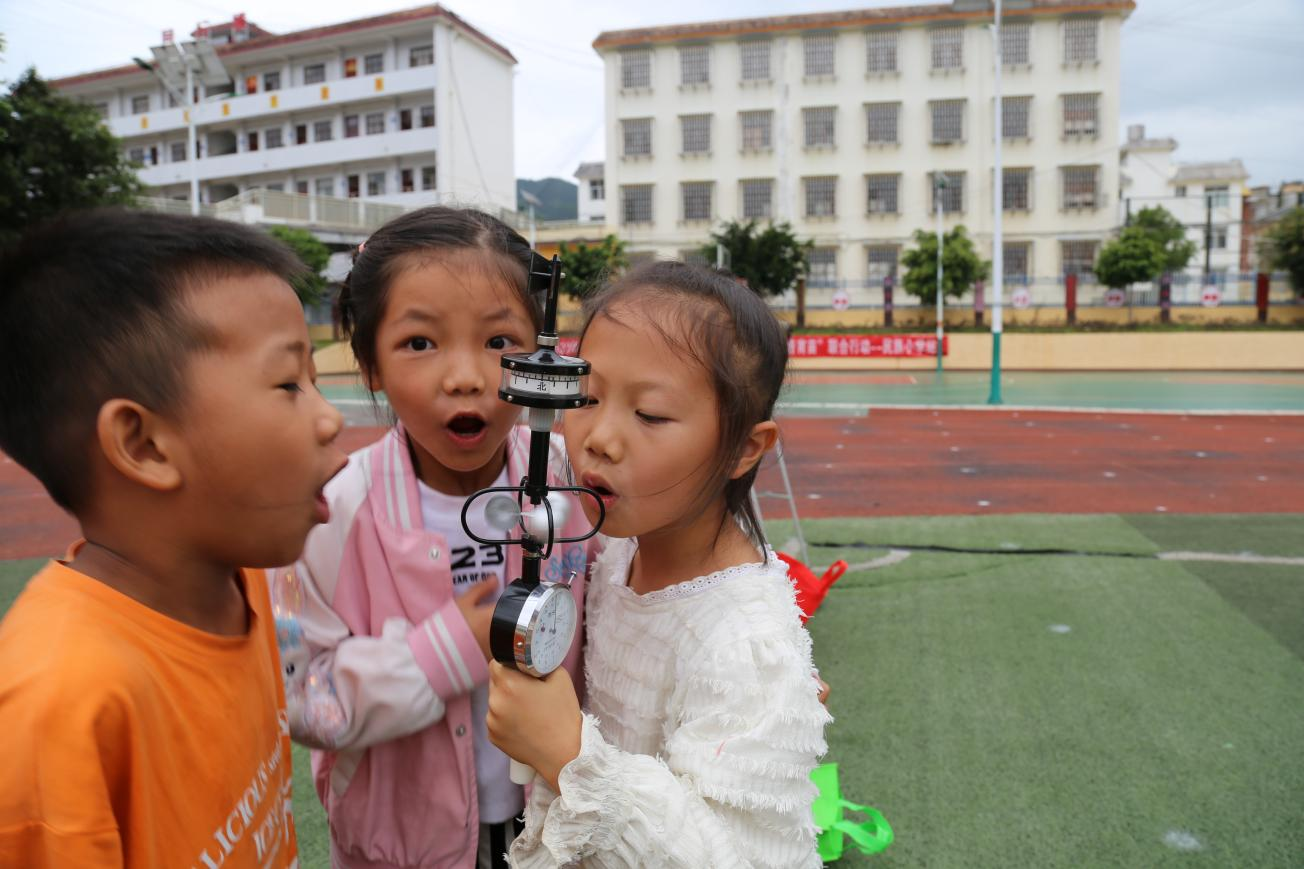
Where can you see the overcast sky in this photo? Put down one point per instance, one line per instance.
(1223, 77)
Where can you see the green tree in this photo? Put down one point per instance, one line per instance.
(310, 286)
(55, 154)
(1283, 247)
(1169, 234)
(587, 266)
(962, 267)
(1133, 257)
(770, 259)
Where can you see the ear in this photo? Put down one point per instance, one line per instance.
(372, 380)
(138, 444)
(760, 440)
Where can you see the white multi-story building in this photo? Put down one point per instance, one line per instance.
(839, 123)
(591, 193)
(409, 108)
(1207, 198)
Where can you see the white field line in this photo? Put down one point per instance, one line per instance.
(1232, 557)
(894, 556)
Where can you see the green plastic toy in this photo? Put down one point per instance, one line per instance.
(869, 837)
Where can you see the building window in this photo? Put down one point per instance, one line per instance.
(1080, 186)
(881, 123)
(405, 182)
(818, 54)
(277, 186)
(1218, 195)
(756, 59)
(1080, 41)
(140, 104)
(1015, 115)
(948, 121)
(421, 55)
(427, 114)
(882, 193)
(350, 67)
(251, 85)
(597, 189)
(351, 128)
(324, 187)
(373, 63)
(300, 134)
(696, 134)
(952, 195)
(375, 183)
(635, 69)
(322, 132)
(881, 51)
(136, 155)
(637, 136)
(427, 177)
(301, 187)
(820, 125)
(314, 73)
(947, 47)
(1078, 258)
(635, 203)
(177, 152)
(756, 130)
(822, 267)
(695, 197)
(272, 81)
(1016, 189)
(102, 109)
(1015, 40)
(1181, 191)
(353, 186)
(375, 123)
(1219, 238)
(821, 196)
(694, 64)
(405, 119)
(758, 199)
(1015, 258)
(272, 136)
(881, 262)
(1082, 115)
(251, 141)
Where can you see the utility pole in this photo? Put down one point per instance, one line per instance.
(1208, 234)
(939, 184)
(998, 208)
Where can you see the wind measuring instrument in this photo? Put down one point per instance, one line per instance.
(534, 620)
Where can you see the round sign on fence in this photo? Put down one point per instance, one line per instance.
(841, 300)
(1210, 297)
(1021, 298)
(1115, 298)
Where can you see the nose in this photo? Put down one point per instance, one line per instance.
(602, 438)
(329, 422)
(463, 375)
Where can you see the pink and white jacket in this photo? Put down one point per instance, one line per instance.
(380, 663)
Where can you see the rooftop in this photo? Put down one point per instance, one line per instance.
(1216, 170)
(590, 170)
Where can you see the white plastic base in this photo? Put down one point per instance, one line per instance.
(521, 774)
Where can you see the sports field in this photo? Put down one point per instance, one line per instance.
(1067, 638)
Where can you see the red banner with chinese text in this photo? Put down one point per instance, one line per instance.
(862, 346)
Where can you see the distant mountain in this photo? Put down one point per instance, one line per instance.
(557, 196)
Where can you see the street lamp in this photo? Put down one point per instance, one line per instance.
(939, 184)
(998, 238)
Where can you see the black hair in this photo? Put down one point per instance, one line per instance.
(93, 307)
(727, 329)
(423, 232)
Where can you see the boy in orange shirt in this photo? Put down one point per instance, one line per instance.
(156, 377)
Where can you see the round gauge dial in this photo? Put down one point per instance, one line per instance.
(529, 383)
(545, 629)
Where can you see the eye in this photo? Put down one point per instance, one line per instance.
(291, 387)
(651, 419)
(419, 344)
(501, 342)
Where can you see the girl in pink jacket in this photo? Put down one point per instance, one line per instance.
(384, 620)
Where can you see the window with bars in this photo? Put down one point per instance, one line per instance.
(948, 121)
(695, 199)
(696, 134)
(881, 262)
(635, 203)
(694, 64)
(636, 69)
(881, 51)
(271, 81)
(177, 152)
(375, 123)
(1081, 114)
(1016, 259)
(1016, 189)
(140, 104)
(427, 177)
(821, 196)
(273, 137)
(351, 126)
(1078, 258)
(324, 187)
(756, 130)
(820, 125)
(314, 73)
(822, 267)
(1219, 241)
(947, 47)
(1080, 186)
(1016, 115)
(421, 55)
(373, 63)
(882, 194)
(818, 54)
(637, 136)
(1015, 43)
(375, 183)
(1219, 195)
(426, 115)
(1080, 40)
(952, 194)
(136, 155)
(755, 59)
(881, 123)
(758, 198)
(597, 189)
(322, 131)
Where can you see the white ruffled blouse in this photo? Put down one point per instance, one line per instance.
(701, 728)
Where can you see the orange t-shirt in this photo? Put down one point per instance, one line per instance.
(131, 739)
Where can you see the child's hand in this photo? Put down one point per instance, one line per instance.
(824, 690)
(476, 606)
(535, 721)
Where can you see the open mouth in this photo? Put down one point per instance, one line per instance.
(599, 485)
(466, 427)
